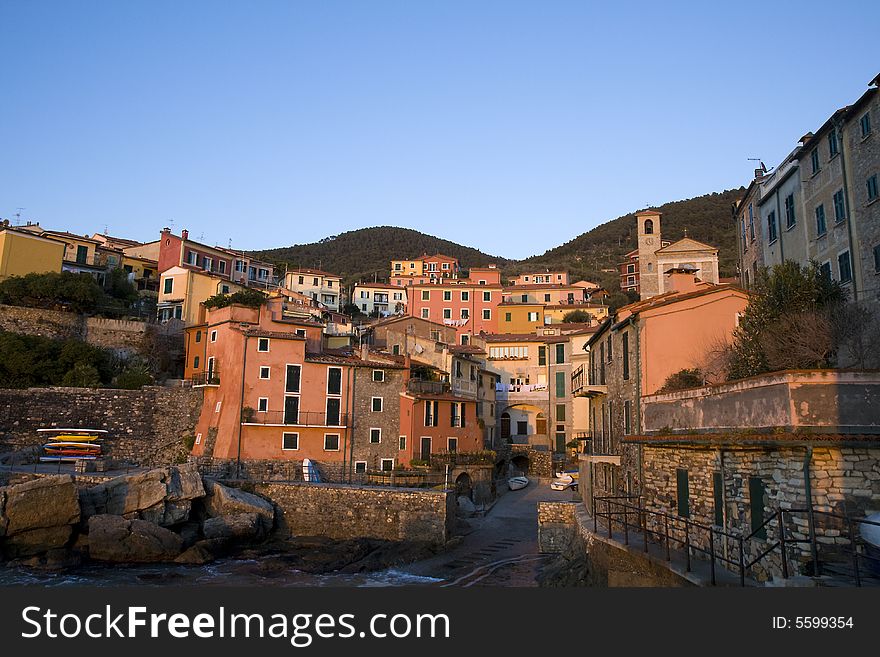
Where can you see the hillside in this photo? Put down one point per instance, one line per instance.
(361, 254)
(707, 219)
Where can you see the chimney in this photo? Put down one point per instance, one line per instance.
(184, 234)
(166, 230)
(365, 351)
(681, 279)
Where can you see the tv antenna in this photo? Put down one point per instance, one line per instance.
(18, 215)
(758, 160)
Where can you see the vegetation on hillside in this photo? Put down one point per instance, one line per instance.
(249, 297)
(359, 255)
(79, 293)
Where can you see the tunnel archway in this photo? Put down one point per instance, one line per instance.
(463, 485)
(520, 463)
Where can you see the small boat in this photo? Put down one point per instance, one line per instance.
(71, 449)
(517, 483)
(871, 533)
(73, 435)
(310, 471)
(563, 481)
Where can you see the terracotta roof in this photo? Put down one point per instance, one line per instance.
(672, 297)
(317, 272)
(523, 337)
(466, 349)
(280, 335)
(61, 233)
(541, 286)
(686, 244)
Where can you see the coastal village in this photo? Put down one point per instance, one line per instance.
(708, 431)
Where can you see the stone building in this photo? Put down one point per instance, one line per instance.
(750, 230)
(375, 418)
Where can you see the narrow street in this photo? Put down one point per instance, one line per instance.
(499, 549)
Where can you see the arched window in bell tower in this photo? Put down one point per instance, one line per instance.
(649, 227)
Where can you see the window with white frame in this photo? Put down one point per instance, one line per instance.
(487, 296)
(264, 372)
(263, 344)
(377, 404)
(465, 295)
(289, 441)
(401, 443)
(487, 313)
(452, 444)
(375, 436)
(263, 404)
(378, 375)
(360, 467)
(331, 442)
(198, 439)
(214, 336)
(424, 313)
(387, 465)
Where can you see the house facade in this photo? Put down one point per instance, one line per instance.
(322, 286)
(23, 252)
(379, 300)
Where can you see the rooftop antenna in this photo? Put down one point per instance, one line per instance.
(106, 229)
(18, 215)
(202, 236)
(762, 166)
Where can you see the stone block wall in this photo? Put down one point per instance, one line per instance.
(343, 512)
(387, 420)
(556, 526)
(145, 426)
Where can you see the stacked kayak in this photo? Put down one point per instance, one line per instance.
(71, 444)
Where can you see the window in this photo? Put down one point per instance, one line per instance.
(814, 160)
(465, 295)
(506, 317)
(524, 298)
(844, 266)
(193, 258)
(224, 289)
(771, 226)
(447, 295)
(301, 280)
(533, 317)
(625, 346)
(683, 494)
(315, 282)
(334, 380)
(169, 286)
(872, 187)
(208, 263)
(263, 344)
(431, 412)
(487, 296)
(560, 353)
(198, 336)
(751, 224)
(839, 206)
(331, 442)
(465, 313)
(865, 124)
(649, 227)
(387, 465)
(291, 381)
(560, 412)
(487, 314)
(196, 362)
(452, 444)
(825, 270)
(821, 229)
(426, 295)
(360, 467)
(718, 497)
(445, 265)
(264, 372)
(627, 417)
(378, 375)
(832, 144)
(300, 333)
(546, 298)
(377, 404)
(447, 313)
(289, 441)
(756, 506)
(560, 384)
(542, 354)
(222, 265)
(375, 436)
(424, 313)
(291, 410)
(198, 439)
(395, 350)
(213, 336)
(401, 443)
(263, 404)
(790, 218)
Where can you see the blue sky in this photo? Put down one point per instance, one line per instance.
(509, 126)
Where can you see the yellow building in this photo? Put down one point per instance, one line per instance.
(23, 252)
(520, 317)
(407, 267)
(142, 272)
(556, 313)
(181, 290)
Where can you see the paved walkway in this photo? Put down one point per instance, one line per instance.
(501, 548)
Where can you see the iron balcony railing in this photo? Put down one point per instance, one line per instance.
(207, 378)
(426, 387)
(294, 419)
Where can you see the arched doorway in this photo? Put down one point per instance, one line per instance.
(505, 426)
(463, 485)
(520, 464)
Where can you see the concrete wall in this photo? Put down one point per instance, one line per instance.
(145, 426)
(821, 401)
(342, 512)
(116, 334)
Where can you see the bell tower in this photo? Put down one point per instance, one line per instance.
(648, 243)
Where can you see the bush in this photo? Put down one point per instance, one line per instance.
(250, 297)
(31, 360)
(682, 380)
(133, 377)
(82, 375)
(577, 317)
(76, 292)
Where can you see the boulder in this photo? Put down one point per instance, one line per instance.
(238, 527)
(43, 503)
(224, 501)
(114, 538)
(203, 552)
(163, 496)
(465, 506)
(37, 541)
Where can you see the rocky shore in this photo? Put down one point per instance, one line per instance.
(170, 515)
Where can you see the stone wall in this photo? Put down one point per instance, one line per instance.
(342, 512)
(145, 426)
(556, 521)
(115, 334)
(387, 420)
(844, 481)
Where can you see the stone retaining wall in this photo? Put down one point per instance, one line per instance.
(341, 512)
(556, 522)
(145, 426)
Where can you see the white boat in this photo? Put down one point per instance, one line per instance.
(517, 483)
(563, 482)
(871, 533)
(310, 471)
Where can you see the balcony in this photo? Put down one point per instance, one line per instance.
(294, 419)
(597, 449)
(582, 387)
(426, 387)
(464, 387)
(203, 379)
(521, 392)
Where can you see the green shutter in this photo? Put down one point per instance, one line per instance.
(560, 353)
(718, 495)
(681, 480)
(756, 505)
(560, 384)
(542, 355)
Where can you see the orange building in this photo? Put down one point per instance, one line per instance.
(438, 421)
(424, 269)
